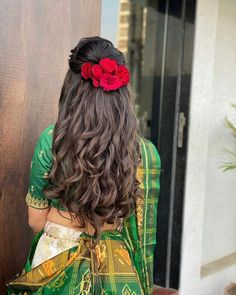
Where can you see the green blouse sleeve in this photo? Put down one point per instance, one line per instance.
(41, 164)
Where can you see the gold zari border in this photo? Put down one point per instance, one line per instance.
(34, 202)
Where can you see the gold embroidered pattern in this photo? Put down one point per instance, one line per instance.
(139, 212)
(36, 203)
(50, 131)
(127, 291)
(85, 284)
(59, 282)
(100, 251)
(49, 267)
(45, 175)
(123, 256)
(139, 176)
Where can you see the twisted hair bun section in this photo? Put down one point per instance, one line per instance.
(93, 50)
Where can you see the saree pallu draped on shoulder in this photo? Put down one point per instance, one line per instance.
(122, 261)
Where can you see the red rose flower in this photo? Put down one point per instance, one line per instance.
(110, 82)
(107, 74)
(123, 74)
(97, 72)
(95, 82)
(86, 70)
(109, 65)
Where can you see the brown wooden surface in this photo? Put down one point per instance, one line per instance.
(36, 38)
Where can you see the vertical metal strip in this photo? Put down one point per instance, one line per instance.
(163, 67)
(174, 150)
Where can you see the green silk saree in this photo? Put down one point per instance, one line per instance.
(122, 261)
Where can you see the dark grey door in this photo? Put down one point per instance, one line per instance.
(169, 128)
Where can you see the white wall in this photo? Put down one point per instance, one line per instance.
(209, 231)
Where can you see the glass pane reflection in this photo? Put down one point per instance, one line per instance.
(131, 26)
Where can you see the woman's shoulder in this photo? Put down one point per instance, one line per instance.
(46, 135)
(44, 141)
(149, 151)
(48, 130)
(147, 143)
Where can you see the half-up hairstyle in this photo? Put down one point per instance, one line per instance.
(95, 143)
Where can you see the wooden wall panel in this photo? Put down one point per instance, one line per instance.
(36, 38)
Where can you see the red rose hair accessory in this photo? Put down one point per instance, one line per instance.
(107, 74)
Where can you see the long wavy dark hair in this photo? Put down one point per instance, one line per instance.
(95, 143)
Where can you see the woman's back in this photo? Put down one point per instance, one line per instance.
(94, 186)
(43, 164)
(114, 255)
